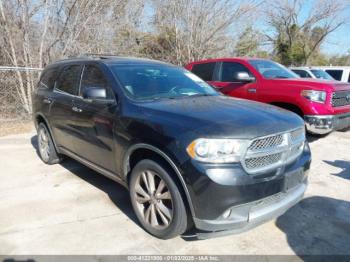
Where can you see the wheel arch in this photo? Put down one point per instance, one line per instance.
(40, 118)
(142, 151)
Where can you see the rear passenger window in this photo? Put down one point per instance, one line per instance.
(69, 79)
(48, 79)
(229, 71)
(349, 78)
(336, 74)
(204, 71)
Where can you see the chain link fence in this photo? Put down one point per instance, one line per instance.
(12, 107)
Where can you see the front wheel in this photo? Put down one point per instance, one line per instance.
(157, 201)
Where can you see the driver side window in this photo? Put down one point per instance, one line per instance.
(93, 77)
(229, 71)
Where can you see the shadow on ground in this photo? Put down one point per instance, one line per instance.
(34, 142)
(318, 226)
(313, 138)
(118, 194)
(343, 165)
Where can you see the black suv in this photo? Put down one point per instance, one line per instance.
(189, 156)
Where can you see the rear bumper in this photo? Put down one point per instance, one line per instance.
(324, 124)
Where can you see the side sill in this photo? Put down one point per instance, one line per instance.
(93, 166)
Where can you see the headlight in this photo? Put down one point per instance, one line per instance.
(315, 96)
(217, 150)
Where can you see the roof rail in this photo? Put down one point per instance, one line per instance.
(101, 56)
(87, 56)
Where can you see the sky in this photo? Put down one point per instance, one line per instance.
(338, 42)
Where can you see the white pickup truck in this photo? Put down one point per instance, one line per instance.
(340, 73)
(311, 72)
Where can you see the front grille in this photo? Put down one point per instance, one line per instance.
(268, 142)
(267, 153)
(341, 98)
(263, 161)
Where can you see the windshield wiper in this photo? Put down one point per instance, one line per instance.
(175, 97)
(196, 95)
(282, 77)
(162, 97)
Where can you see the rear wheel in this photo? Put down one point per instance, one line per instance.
(157, 201)
(47, 150)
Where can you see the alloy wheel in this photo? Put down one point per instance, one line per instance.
(153, 200)
(44, 146)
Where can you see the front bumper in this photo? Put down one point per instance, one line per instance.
(252, 214)
(227, 200)
(324, 124)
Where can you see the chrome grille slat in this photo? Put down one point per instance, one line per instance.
(273, 151)
(340, 98)
(266, 142)
(263, 161)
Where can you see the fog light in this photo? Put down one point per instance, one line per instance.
(227, 213)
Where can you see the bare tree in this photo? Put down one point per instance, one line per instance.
(194, 29)
(294, 33)
(35, 32)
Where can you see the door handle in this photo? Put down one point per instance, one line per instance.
(47, 100)
(252, 90)
(77, 109)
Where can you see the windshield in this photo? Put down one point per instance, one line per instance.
(321, 74)
(272, 70)
(147, 82)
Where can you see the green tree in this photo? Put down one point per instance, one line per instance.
(296, 39)
(250, 43)
(340, 60)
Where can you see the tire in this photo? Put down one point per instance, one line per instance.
(167, 203)
(46, 147)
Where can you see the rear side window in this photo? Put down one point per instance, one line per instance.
(48, 79)
(204, 71)
(321, 74)
(93, 77)
(302, 73)
(229, 71)
(69, 79)
(336, 74)
(349, 78)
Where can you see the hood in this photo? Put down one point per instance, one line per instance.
(316, 84)
(221, 117)
(340, 86)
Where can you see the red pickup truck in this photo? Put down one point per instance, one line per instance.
(324, 105)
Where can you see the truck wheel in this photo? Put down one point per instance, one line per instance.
(157, 201)
(47, 150)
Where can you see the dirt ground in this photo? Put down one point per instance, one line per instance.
(15, 127)
(70, 209)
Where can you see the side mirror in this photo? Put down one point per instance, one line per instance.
(244, 77)
(96, 94)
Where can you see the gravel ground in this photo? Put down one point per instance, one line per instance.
(70, 209)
